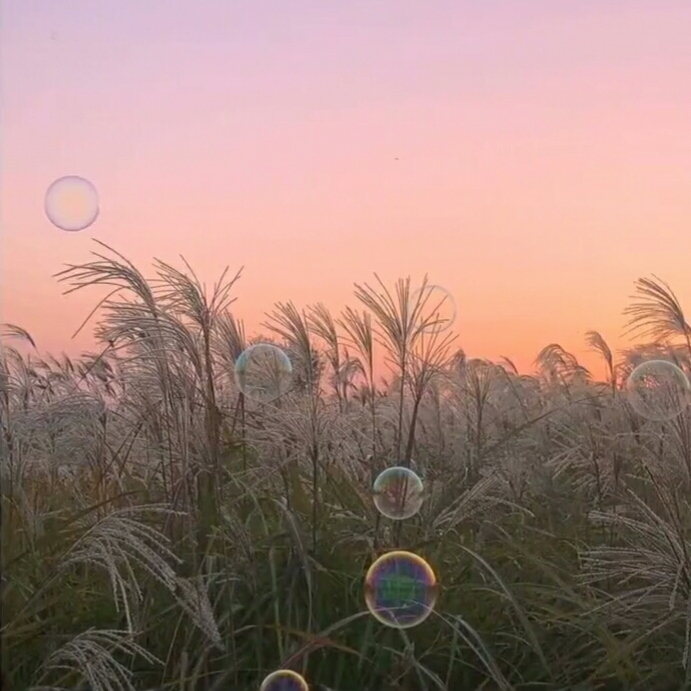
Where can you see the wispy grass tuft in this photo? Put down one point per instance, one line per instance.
(159, 530)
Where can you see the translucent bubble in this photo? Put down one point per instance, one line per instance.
(71, 203)
(263, 372)
(437, 308)
(400, 589)
(658, 390)
(284, 680)
(397, 493)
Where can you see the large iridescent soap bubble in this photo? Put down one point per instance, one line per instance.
(658, 390)
(71, 203)
(401, 589)
(398, 493)
(263, 372)
(284, 680)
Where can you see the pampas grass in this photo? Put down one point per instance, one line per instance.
(162, 531)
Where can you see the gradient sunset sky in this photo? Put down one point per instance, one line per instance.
(532, 157)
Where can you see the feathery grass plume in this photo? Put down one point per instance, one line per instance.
(293, 327)
(399, 327)
(598, 344)
(648, 574)
(656, 312)
(559, 366)
(360, 334)
(322, 324)
(91, 657)
(8, 331)
(556, 520)
(141, 324)
(121, 545)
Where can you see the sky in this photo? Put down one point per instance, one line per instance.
(532, 158)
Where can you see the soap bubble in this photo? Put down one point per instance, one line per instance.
(400, 589)
(397, 493)
(658, 390)
(71, 203)
(437, 308)
(263, 372)
(284, 680)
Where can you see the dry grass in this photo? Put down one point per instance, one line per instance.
(159, 530)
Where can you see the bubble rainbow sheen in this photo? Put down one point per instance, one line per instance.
(397, 493)
(658, 390)
(284, 680)
(263, 372)
(401, 589)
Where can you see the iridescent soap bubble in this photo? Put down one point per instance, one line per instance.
(263, 372)
(397, 493)
(284, 680)
(71, 203)
(437, 308)
(658, 390)
(401, 589)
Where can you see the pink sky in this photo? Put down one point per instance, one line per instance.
(533, 158)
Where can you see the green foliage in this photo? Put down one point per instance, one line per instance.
(160, 530)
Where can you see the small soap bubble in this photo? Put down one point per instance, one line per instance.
(284, 680)
(437, 308)
(658, 390)
(71, 203)
(263, 372)
(398, 493)
(401, 589)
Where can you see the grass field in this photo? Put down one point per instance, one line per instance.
(161, 530)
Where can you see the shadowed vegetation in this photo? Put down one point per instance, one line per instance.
(159, 530)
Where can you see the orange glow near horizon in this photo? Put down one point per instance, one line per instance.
(534, 163)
